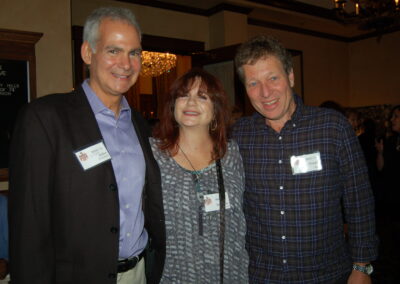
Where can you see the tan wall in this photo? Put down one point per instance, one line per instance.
(153, 21)
(356, 74)
(361, 73)
(53, 51)
(375, 71)
(217, 28)
(227, 28)
(325, 65)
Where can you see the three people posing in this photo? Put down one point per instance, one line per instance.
(86, 193)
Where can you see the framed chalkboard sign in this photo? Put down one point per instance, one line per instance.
(17, 84)
(14, 93)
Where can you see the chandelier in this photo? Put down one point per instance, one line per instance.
(156, 63)
(378, 15)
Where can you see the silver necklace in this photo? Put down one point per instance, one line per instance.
(196, 174)
(196, 180)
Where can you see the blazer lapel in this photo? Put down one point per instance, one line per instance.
(83, 125)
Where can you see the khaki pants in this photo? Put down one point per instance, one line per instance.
(135, 275)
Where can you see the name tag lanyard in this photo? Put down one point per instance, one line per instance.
(221, 190)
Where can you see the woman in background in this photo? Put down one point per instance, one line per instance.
(388, 162)
(205, 242)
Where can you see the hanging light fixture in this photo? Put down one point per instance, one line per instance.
(156, 63)
(378, 15)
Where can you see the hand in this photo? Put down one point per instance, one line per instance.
(379, 146)
(3, 268)
(358, 277)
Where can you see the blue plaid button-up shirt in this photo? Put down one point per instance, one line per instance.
(295, 222)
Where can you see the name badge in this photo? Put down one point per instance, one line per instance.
(306, 163)
(93, 155)
(211, 202)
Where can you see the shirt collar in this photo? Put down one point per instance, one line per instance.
(296, 116)
(96, 104)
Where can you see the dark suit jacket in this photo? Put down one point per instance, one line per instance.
(64, 221)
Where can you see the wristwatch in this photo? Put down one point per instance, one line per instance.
(367, 269)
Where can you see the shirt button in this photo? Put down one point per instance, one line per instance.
(284, 261)
(128, 234)
(280, 161)
(280, 137)
(127, 206)
(294, 124)
(123, 151)
(281, 187)
(282, 212)
(283, 237)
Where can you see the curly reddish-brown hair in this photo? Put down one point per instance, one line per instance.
(167, 130)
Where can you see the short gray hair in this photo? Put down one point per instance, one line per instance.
(92, 24)
(259, 47)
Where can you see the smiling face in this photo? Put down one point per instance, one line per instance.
(194, 108)
(269, 89)
(395, 120)
(115, 65)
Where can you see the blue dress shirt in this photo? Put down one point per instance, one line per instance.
(129, 167)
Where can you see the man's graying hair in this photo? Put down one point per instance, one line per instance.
(92, 24)
(259, 47)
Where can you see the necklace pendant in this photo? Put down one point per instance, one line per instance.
(196, 178)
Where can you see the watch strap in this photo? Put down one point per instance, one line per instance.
(367, 269)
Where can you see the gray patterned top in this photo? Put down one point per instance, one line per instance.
(191, 258)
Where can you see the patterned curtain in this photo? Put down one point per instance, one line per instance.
(162, 83)
(132, 96)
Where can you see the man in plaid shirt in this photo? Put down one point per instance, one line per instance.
(304, 169)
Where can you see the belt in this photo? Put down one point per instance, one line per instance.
(129, 263)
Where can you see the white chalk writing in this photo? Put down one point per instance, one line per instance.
(9, 89)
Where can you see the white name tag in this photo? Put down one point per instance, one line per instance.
(306, 163)
(93, 155)
(211, 202)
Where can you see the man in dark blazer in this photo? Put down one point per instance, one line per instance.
(85, 190)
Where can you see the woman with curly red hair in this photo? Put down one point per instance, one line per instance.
(200, 170)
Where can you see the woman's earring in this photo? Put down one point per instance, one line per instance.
(213, 125)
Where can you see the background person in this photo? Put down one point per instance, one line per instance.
(355, 120)
(300, 162)
(388, 164)
(190, 140)
(79, 163)
(388, 158)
